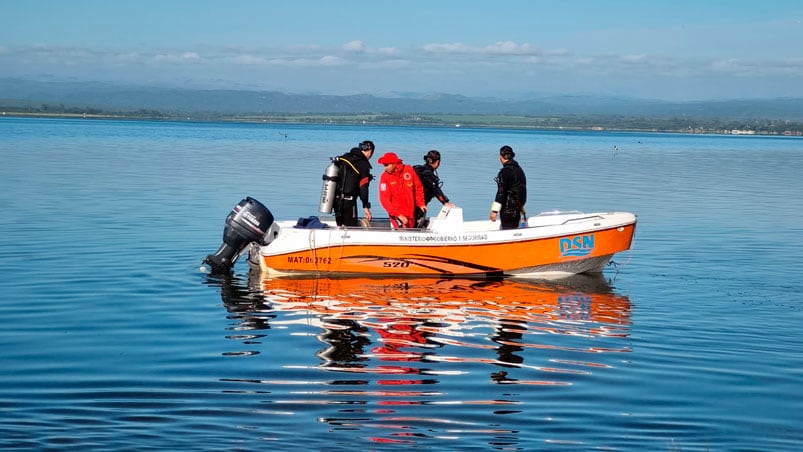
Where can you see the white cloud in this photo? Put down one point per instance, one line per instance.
(130, 57)
(557, 52)
(498, 48)
(359, 47)
(331, 61)
(633, 58)
(326, 60)
(387, 51)
(448, 65)
(248, 59)
(60, 52)
(736, 67)
(447, 48)
(510, 48)
(177, 58)
(354, 46)
(189, 56)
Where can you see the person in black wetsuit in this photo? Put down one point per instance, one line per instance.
(353, 183)
(428, 173)
(511, 192)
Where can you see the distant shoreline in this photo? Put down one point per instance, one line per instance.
(589, 123)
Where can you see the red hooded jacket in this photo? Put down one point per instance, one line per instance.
(400, 192)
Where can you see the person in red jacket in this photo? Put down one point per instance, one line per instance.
(400, 191)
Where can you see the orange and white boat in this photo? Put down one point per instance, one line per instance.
(551, 244)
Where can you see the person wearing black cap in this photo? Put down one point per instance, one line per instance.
(428, 173)
(511, 192)
(354, 178)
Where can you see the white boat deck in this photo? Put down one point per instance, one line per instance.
(450, 221)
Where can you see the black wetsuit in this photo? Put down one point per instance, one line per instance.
(432, 184)
(511, 193)
(354, 177)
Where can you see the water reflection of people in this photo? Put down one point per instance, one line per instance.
(579, 305)
(397, 321)
(404, 343)
(346, 340)
(507, 333)
(396, 335)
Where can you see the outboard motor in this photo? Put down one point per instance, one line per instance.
(329, 186)
(247, 222)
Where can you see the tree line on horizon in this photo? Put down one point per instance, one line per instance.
(554, 122)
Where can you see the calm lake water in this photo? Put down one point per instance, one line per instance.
(112, 339)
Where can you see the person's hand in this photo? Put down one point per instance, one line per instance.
(449, 205)
(367, 213)
(493, 216)
(403, 221)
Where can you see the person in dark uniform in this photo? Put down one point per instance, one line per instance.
(353, 182)
(428, 173)
(511, 192)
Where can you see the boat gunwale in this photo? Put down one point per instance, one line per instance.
(508, 236)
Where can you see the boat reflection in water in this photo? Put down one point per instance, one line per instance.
(395, 343)
(403, 320)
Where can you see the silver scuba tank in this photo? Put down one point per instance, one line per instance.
(329, 187)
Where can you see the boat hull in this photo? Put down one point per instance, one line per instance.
(555, 244)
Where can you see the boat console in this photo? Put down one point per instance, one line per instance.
(449, 219)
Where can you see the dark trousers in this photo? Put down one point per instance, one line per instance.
(510, 220)
(346, 212)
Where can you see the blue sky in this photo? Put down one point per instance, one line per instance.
(672, 50)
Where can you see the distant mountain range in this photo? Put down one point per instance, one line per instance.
(21, 93)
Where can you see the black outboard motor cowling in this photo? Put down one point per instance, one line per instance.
(247, 222)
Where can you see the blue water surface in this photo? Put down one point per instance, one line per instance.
(112, 339)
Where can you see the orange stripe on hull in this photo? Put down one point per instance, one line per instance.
(468, 259)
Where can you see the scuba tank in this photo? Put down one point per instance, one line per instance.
(329, 187)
